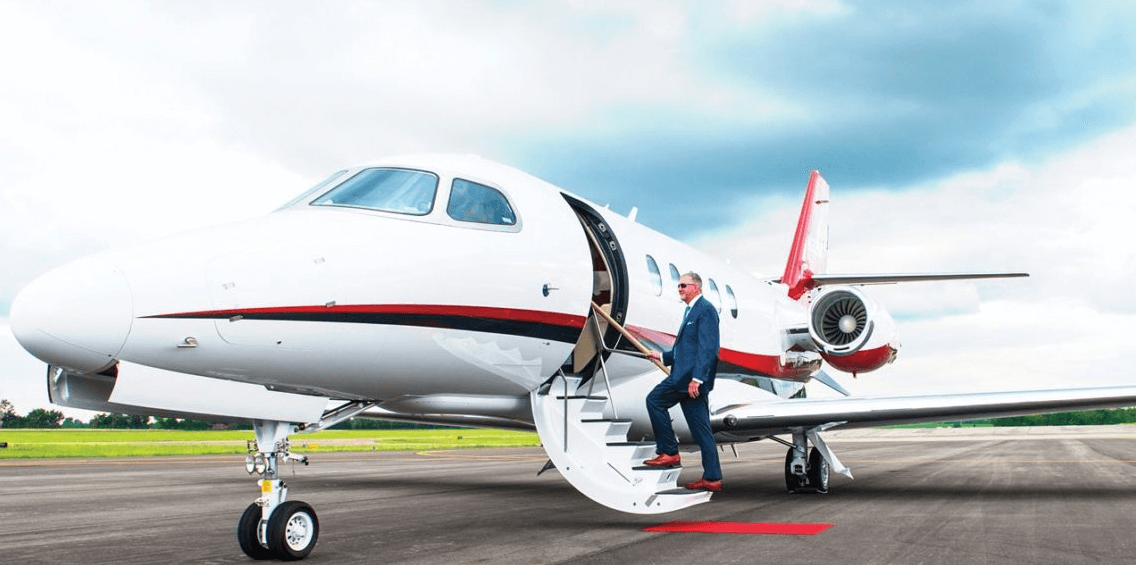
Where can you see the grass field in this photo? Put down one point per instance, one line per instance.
(971, 424)
(88, 443)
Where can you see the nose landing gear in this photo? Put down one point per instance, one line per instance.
(272, 528)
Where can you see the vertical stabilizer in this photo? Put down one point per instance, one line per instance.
(809, 253)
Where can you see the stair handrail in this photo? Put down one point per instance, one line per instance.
(642, 348)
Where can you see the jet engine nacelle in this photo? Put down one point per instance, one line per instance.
(852, 332)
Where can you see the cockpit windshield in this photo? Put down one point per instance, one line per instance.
(315, 189)
(402, 191)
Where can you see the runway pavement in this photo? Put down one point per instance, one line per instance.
(1053, 495)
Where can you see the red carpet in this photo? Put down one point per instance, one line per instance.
(768, 528)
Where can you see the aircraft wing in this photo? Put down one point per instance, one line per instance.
(755, 420)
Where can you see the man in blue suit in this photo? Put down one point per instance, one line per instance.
(693, 361)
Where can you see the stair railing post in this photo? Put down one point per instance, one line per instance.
(565, 379)
(599, 354)
(610, 393)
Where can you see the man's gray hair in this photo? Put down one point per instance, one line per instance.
(694, 277)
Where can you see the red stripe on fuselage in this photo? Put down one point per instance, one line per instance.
(648, 335)
(487, 312)
(768, 365)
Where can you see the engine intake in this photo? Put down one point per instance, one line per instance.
(841, 320)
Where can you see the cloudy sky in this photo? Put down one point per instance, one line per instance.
(958, 136)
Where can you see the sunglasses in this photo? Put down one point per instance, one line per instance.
(684, 285)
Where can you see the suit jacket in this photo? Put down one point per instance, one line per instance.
(695, 352)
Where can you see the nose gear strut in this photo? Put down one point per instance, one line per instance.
(273, 527)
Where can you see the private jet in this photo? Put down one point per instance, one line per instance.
(449, 289)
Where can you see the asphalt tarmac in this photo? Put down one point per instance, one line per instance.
(1038, 495)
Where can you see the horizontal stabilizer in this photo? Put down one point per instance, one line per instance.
(854, 279)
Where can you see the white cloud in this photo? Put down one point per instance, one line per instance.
(130, 120)
(1065, 221)
(747, 11)
(137, 119)
(23, 378)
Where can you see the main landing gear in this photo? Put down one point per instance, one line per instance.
(805, 473)
(272, 528)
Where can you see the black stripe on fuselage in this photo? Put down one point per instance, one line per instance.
(521, 328)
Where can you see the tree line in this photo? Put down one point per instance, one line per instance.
(47, 419)
(44, 419)
(1083, 418)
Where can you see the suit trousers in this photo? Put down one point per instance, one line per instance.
(697, 413)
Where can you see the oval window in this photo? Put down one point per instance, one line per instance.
(656, 276)
(714, 296)
(731, 302)
(674, 274)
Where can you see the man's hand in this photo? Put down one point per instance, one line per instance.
(693, 389)
(655, 355)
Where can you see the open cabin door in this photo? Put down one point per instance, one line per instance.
(580, 428)
(609, 290)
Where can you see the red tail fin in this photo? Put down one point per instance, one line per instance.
(809, 253)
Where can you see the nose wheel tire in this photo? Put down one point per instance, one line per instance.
(293, 530)
(246, 535)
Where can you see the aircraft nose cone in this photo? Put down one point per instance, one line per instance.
(77, 316)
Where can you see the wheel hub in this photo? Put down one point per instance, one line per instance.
(298, 533)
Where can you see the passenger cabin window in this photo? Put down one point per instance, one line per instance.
(674, 274)
(472, 202)
(731, 302)
(714, 296)
(401, 191)
(656, 276)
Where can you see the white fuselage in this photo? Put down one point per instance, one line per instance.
(355, 303)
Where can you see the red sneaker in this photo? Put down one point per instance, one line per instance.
(703, 484)
(664, 460)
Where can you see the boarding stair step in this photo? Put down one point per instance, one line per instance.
(681, 492)
(589, 448)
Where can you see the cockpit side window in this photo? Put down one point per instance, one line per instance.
(472, 202)
(402, 191)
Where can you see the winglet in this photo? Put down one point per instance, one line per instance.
(809, 253)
